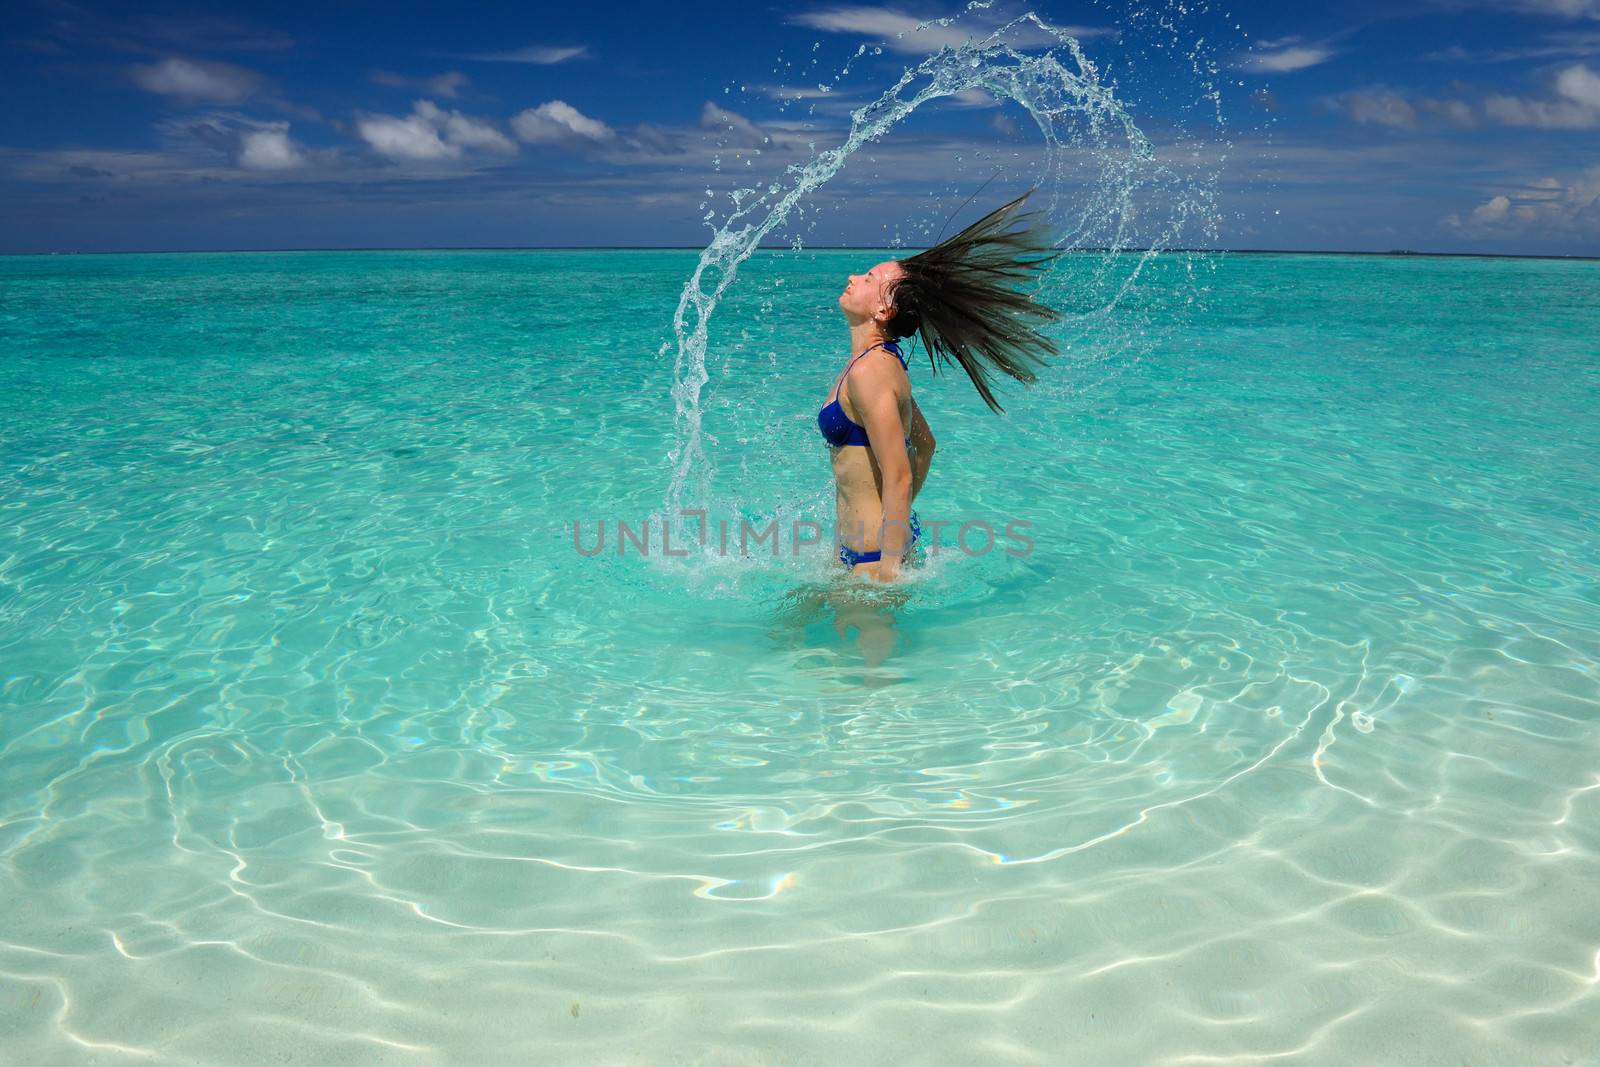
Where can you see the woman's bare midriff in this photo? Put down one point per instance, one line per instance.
(858, 493)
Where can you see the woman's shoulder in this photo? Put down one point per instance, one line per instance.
(879, 365)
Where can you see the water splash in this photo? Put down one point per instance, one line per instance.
(1091, 146)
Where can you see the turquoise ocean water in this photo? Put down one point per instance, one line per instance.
(321, 741)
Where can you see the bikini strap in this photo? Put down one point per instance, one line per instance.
(887, 346)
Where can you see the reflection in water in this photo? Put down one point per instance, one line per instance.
(858, 611)
(872, 616)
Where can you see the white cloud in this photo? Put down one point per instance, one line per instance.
(408, 138)
(464, 131)
(542, 55)
(734, 127)
(819, 100)
(1581, 85)
(1385, 107)
(1547, 206)
(558, 122)
(971, 98)
(735, 131)
(1572, 104)
(447, 85)
(898, 31)
(1456, 112)
(1575, 104)
(1541, 114)
(1285, 59)
(196, 81)
(431, 133)
(791, 93)
(1566, 45)
(1379, 107)
(884, 23)
(269, 149)
(1572, 9)
(1490, 211)
(223, 141)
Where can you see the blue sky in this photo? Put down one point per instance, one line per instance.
(1434, 125)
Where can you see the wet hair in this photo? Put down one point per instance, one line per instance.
(961, 297)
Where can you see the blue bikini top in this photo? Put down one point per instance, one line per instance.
(836, 427)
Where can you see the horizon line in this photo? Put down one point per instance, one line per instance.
(1397, 252)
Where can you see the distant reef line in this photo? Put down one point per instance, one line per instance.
(808, 248)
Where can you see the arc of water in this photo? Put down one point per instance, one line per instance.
(1042, 84)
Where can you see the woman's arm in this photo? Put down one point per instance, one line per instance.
(877, 399)
(922, 445)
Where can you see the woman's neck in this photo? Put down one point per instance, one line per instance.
(863, 335)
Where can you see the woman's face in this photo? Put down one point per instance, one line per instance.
(866, 296)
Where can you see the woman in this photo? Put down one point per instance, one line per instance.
(960, 297)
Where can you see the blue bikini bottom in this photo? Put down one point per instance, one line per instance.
(850, 557)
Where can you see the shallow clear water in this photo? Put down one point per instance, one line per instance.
(319, 739)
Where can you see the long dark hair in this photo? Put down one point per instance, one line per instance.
(961, 297)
